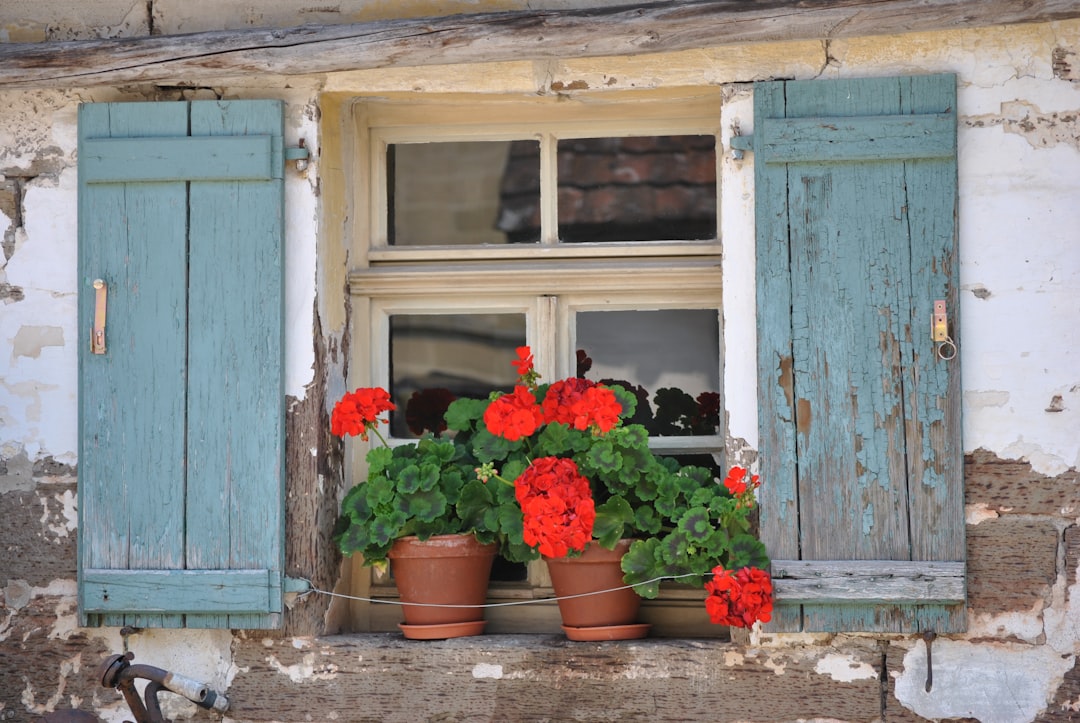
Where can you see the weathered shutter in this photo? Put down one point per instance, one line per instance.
(861, 460)
(181, 446)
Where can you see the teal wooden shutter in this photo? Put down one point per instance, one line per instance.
(861, 460)
(181, 451)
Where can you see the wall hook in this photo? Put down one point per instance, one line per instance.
(928, 638)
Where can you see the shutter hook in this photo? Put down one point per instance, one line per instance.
(928, 638)
(939, 332)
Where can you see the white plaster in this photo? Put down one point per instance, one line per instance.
(304, 670)
(844, 668)
(1016, 242)
(994, 683)
(1023, 625)
(979, 512)
(487, 670)
(38, 391)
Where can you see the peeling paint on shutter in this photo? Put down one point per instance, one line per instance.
(862, 501)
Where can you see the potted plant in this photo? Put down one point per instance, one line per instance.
(588, 485)
(423, 508)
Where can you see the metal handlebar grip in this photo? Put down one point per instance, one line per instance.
(198, 693)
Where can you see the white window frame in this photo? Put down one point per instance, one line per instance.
(548, 281)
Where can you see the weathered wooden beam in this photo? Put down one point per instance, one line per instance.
(868, 581)
(633, 29)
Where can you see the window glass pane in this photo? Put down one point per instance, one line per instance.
(435, 358)
(649, 188)
(668, 357)
(458, 193)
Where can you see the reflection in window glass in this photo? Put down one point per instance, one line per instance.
(669, 358)
(461, 193)
(435, 358)
(650, 188)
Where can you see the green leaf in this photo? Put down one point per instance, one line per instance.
(462, 414)
(426, 506)
(475, 504)
(640, 567)
(613, 518)
(489, 448)
(603, 457)
(697, 525)
(380, 492)
(386, 528)
(378, 459)
(355, 505)
(409, 479)
(646, 520)
(430, 476)
(627, 400)
(748, 551)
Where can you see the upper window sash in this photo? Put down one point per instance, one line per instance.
(382, 123)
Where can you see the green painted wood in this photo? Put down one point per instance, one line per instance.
(860, 420)
(897, 137)
(179, 373)
(235, 417)
(118, 160)
(177, 591)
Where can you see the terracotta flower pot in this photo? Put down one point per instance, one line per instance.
(450, 570)
(604, 616)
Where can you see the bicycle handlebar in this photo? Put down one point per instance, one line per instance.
(198, 693)
(118, 672)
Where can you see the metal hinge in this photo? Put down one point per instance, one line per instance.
(299, 155)
(740, 145)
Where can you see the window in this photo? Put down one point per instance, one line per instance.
(587, 230)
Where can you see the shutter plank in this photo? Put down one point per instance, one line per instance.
(862, 581)
(779, 508)
(131, 458)
(897, 137)
(236, 385)
(114, 160)
(177, 591)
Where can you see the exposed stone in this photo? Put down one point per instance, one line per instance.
(1012, 564)
(29, 645)
(1012, 486)
(31, 547)
(1066, 64)
(1066, 703)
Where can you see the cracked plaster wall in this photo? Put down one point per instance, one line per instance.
(1019, 99)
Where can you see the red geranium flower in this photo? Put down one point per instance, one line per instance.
(359, 411)
(741, 599)
(524, 362)
(736, 482)
(514, 415)
(557, 504)
(581, 404)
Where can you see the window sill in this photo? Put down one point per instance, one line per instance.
(383, 677)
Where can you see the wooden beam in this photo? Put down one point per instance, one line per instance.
(633, 29)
